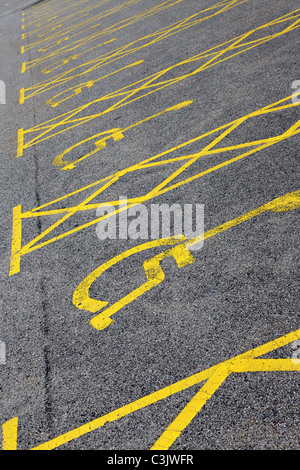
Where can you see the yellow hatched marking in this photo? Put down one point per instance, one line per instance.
(168, 184)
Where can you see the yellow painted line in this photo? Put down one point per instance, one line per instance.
(145, 87)
(215, 52)
(43, 22)
(46, 31)
(16, 240)
(166, 185)
(217, 378)
(193, 407)
(20, 142)
(78, 88)
(108, 30)
(223, 6)
(154, 273)
(37, 14)
(115, 134)
(9, 434)
(214, 377)
(102, 15)
(21, 101)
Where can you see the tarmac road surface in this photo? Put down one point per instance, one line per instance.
(131, 339)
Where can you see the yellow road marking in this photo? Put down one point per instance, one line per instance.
(10, 434)
(140, 44)
(87, 39)
(215, 376)
(154, 273)
(136, 91)
(114, 134)
(165, 186)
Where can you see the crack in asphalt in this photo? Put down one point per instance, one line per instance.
(45, 324)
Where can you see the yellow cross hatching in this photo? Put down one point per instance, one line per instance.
(129, 48)
(121, 51)
(181, 163)
(142, 88)
(42, 11)
(238, 44)
(55, 37)
(214, 377)
(92, 37)
(101, 139)
(53, 18)
(46, 28)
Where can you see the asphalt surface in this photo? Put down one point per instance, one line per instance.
(242, 289)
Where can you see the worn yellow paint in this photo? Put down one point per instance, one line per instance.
(42, 11)
(16, 239)
(9, 434)
(46, 20)
(214, 376)
(45, 28)
(247, 149)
